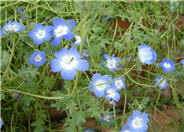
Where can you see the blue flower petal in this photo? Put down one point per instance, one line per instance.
(82, 65)
(58, 21)
(38, 26)
(37, 41)
(96, 76)
(31, 34)
(68, 36)
(68, 74)
(56, 41)
(73, 51)
(55, 65)
(72, 21)
(62, 52)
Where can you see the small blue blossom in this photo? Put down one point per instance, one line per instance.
(125, 129)
(104, 17)
(119, 84)
(1, 122)
(167, 65)
(88, 130)
(37, 58)
(112, 94)
(17, 96)
(77, 40)
(106, 117)
(61, 30)
(146, 54)
(112, 62)
(20, 10)
(67, 62)
(11, 27)
(40, 33)
(85, 54)
(98, 79)
(138, 122)
(182, 62)
(162, 82)
(173, 4)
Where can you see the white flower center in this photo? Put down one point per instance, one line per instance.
(12, 28)
(78, 40)
(38, 58)
(137, 122)
(110, 93)
(101, 87)
(145, 54)
(119, 84)
(126, 131)
(167, 65)
(68, 62)
(162, 82)
(40, 33)
(107, 118)
(111, 63)
(60, 31)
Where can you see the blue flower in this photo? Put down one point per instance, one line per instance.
(1, 122)
(85, 53)
(37, 58)
(68, 61)
(112, 62)
(125, 129)
(182, 62)
(162, 82)
(104, 17)
(167, 65)
(106, 117)
(61, 30)
(119, 84)
(146, 54)
(138, 122)
(98, 79)
(88, 130)
(11, 27)
(77, 40)
(173, 4)
(40, 33)
(17, 96)
(112, 94)
(20, 10)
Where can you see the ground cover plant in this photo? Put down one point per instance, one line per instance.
(92, 66)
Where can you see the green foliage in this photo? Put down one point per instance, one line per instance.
(40, 89)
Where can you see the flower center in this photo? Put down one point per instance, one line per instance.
(119, 84)
(78, 40)
(60, 31)
(110, 93)
(68, 62)
(162, 82)
(101, 87)
(12, 27)
(38, 58)
(137, 122)
(126, 131)
(167, 65)
(111, 63)
(40, 33)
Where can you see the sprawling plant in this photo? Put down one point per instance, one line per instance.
(88, 66)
